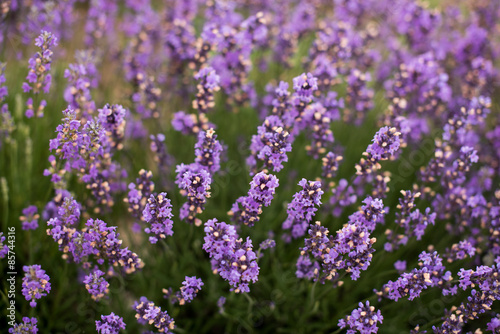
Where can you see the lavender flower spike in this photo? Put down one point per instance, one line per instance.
(35, 283)
(363, 319)
(110, 324)
(28, 326)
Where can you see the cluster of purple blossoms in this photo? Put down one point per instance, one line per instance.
(207, 85)
(302, 208)
(330, 165)
(188, 291)
(109, 324)
(195, 179)
(431, 273)
(411, 220)
(103, 242)
(359, 96)
(100, 23)
(96, 284)
(270, 145)
(148, 313)
(351, 249)
(191, 123)
(61, 227)
(28, 326)
(231, 257)
(96, 239)
(484, 282)
(112, 119)
(87, 151)
(304, 86)
(364, 319)
(208, 150)
(139, 193)
(195, 185)
(158, 214)
(30, 217)
(82, 77)
(4, 249)
(35, 283)
(385, 143)
(246, 209)
(39, 79)
(318, 119)
(460, 251)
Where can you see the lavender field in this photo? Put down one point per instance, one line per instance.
(186, 166)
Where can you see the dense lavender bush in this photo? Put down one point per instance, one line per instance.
(250, 166)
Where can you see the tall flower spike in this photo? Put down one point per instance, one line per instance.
(190, 288)
(28, 326)
(158, 214)
(385, 143)
(4, 249)
(270, 145)
(247, 209)
(208, 84)
(302, 208)
(112, 118)
(35, 283)
(147, 312)
(30, 217)
(233, 258)
(196, 186)
(431, 273)
(109, 324)
(96, 285)
(208, 150)
(363, 319)
(39, 78)
(40, 64)
(139, 193)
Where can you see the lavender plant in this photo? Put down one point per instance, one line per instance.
(157, 112)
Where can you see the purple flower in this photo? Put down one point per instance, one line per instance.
(385, 143)
(109, 324)
(96, 285)
(139, 193)
(303, 207)
(196, 186)
(304, 85)
(208, 84)
(30, 217)
(363, 319)
(35, 283)
(270, 145)
(4, 249)
(267, 244)
(39, 65)
(400, 265)
(431, 273)
(147, 312)
(330, 165)
(158, 214)
(246, 209)
(190, 288)
(208, 150)
(28, 326)
(262, 188)
(112, 119)
(231, 257)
